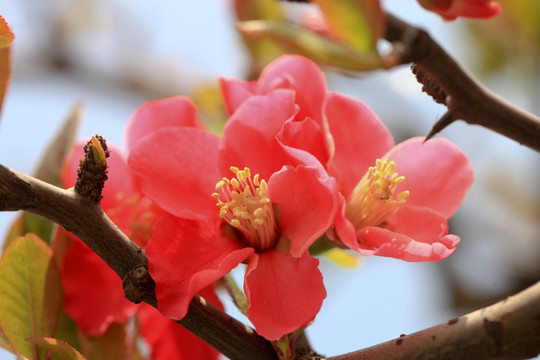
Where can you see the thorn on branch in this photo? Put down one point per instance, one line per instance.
(429, 86)
(92, 171)
(443, 122)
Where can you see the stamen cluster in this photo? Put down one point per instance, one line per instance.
(244, 204)
(372, 201)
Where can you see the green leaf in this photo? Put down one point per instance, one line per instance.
(27, 222)
(6, 38)
(57, 151)
(58, 347)
(358, 23)
(99, 153)
(30, 294)
(317, 47)
(67, 331)
(261, 51)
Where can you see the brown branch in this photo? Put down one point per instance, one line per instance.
(466, 98)
(509, 329)
(84, 218)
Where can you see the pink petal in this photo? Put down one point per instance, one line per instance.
(157, 114)
(421, 224)
(302, 75)
(387, 243)
(359, 139)
(249, 137)
(169, 340)
(306, 204)
(235, 92)
(84, 273)
(185, 256)
(178, 169)
(283, 293)
(437, 173)
(450, 10)
(305, 135)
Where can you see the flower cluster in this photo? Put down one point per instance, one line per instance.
(295, 163)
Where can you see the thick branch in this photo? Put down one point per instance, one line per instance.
(509, 329)
(84, 218)
(466, 98)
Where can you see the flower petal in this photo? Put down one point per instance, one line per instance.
(249, 137)
(168, 340)
(178, 169)
(359, 139)
(157, 114)
(387, 243)
(185, 256)
(437, 173)
(84, 273)
(305, 135)
(420, 223)
(283, 293)
(306, 203)
(302, 75)
(235, 92)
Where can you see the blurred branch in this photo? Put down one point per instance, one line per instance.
(509, 329)
(84, 218)
(465, 97)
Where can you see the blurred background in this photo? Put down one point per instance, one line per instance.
(112, 55)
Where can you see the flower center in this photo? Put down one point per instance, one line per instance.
(244, 203)
(372, 201)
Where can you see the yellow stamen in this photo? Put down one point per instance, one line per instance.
(244, 203)
(372, 201)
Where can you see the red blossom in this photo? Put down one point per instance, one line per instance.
(94, 295)
(404, 218)
(451, 9)
(286, 198)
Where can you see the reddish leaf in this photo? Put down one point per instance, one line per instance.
(6, 38)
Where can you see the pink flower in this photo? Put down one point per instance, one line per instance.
(94, 296)
(451, 9)
(401, 206)
(273, 201)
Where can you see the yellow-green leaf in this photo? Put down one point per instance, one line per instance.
(56, 153)
(317, 47)
(30, 294)
(358, 23)
(262, 51)
(60, 348)
(6, 38)
(27, 222)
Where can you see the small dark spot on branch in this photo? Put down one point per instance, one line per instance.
(399, 341)
(453, 321)
(494, 329)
